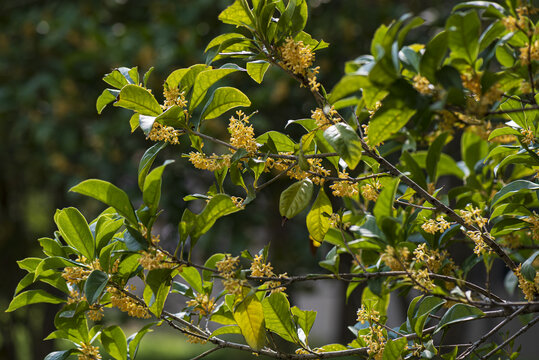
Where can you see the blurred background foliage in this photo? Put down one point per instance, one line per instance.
(52, 57)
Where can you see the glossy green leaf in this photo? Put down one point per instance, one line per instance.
(134, 340)
(33, 297)
(94, 285)
(151, 194)
(173, 80)
(222, 100)
(432, 57)
(458, 313)
(192, 276)
(503, 131)
(146, 162)
(318, 217)
(237, 15)
(281, 142)
(75, 231)
(157, 288)
(220, 205)
(257, 69)
(394, 348)
(106, 97)
(304, 318)
(513, 188)
(228, 329)
(473, 149)
(433, 155)
(108, 194)
(59, 355)
(463, 35)
(427, 305)
(386, 198)
(346, 143)
(204, 81)
(249, 315)
(114, 342)
(136, 98)
(387, 121)
(295, 198)
(278, 316)
(116, 78)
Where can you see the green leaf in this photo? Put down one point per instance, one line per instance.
(491, 7)
(173, 80)
(295, 198)
(433, 155)
(204, 81)
(75, 231)
(33, 297)
(192, 276)
(304, 318)
(228, 329)
(152, 186)
(134, 340)
(117, 78)
(59, 355)
(207, 275)
(224, 38)
(426, 306)
(349, 84)
(384, 203)
(394, 348)
(157, 288)
(346, 143)
(220, 205)
(136, 98)
(503, 131)
(278, 317)
(519, 117)
(318, 218)
(222, 100)
(513, 188)
(106, 97)
(281, 142)
(433, 56)
(256, 70)
(458, 313)
(147, 161)
(387, 121)
(528, 270)
(473, 149)
(94, 285)
(237, 15)
(249, 315)
(409, 164)
(114, 342)
(446, 166)
(463, 31)
(108, 194)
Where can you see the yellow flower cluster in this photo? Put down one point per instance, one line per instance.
(155, 260)
(534, 221)
(431, 258)
(242, 135)
(480, 245)
(173, 97)
(422, 85)
(528, 136)
(422, 280)
(296, 56)
(260, 269)
(203, 304)
(375, 341)
(344, 188)
(367, 315)
(371, 191)
(75, 297)
(510, 23)
(396, 258)
(95, 313)
(160, 132)
(75, 274)
(88, 352)
(127, 304)
(295, 172)
(238, 202)
(472, 216)
(191, 339)
(529, 53)
(322, 120)
(335, 221)
(212, 163)
(512, 241)
(529, 288)
(227, 270)
(433, 226)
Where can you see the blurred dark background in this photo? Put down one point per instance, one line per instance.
(53, 55)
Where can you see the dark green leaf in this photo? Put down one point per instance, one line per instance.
(152, 186)
(108, 194)
(204, 81)
(513, 188)
(94, 285)
(433, 155)
(222, 100)
(394, 348)
(278, 316)
(346, 143)
(220, 205)
(75, 231)
(59, 355)
(295, 198)
(134, 340)
(463, 30)
(114, 342)
(33, 297)
(528, 270)
(458, 313)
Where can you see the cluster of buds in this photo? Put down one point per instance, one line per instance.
(127, 304)
(433, 226)
(164, 133)
(344, 188)
(227, 270)
(173, 97)
(396, 259)
(323, 120)
(371, 190)
(529, 288)
(242, 135)
(534, 222)
(88, 352)
(298, 58)
(211, 163)
(202, 304)
(422, 85)
(151, 260)
(260, 269)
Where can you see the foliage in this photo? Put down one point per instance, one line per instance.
(401, 104)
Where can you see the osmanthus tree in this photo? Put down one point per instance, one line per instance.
(473, 83)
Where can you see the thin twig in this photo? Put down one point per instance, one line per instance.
(207, 352)
(517, 334)
(404, 203)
